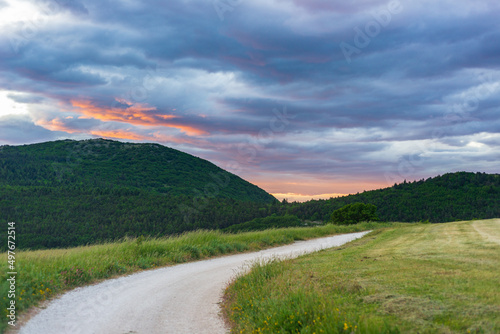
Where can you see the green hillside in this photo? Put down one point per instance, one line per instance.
(446, 198)
(69, 193)
(110, 164)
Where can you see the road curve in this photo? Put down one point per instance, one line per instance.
(179, 299)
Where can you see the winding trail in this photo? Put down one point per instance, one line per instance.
(179, 299)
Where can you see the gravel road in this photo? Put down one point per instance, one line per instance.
(179, 299)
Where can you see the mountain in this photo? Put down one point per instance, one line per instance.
(67, 193)
(446, 198)
(110, 164)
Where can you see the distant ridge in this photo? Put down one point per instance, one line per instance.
(446, 198)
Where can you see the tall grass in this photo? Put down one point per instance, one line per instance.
(417, 279)
(45, 273)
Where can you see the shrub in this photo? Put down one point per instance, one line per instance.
(355, 213)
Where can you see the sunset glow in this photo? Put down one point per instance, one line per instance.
(291, 197)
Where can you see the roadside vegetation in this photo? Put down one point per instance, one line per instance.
(260, 224)
(422, 278)
(45, 273)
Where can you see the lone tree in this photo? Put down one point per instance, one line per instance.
(354, 213)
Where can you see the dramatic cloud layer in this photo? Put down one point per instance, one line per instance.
(302, 97)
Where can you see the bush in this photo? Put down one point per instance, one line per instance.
(354, 213)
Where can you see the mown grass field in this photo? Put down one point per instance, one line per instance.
(43, 274)
(416, 279)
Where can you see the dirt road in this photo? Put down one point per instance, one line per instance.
(180, 299)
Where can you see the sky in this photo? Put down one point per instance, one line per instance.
(305, 98)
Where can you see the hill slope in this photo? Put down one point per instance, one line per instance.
(450, 197)
(111, 164)
(69, 193)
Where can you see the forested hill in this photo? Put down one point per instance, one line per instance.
(69, 193)
(108, 164)
(450, 197)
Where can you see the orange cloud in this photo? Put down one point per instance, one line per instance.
(136, 114)
(56, 125)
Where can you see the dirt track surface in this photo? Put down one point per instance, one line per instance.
(179, 299)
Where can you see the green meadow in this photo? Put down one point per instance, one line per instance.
(421, 278)
(43, 274)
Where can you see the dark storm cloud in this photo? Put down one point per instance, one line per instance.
(188, 73)
(20, 129)
(25, 98)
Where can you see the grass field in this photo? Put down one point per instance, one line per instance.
(43, 274)
(417, 279)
